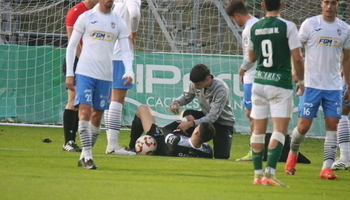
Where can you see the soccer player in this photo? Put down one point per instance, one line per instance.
(343, 136)
(99, 29)
(176, 143)
(273, 43)
(213, 97)
(130, 12)
(327, 43)
(70, 115)
(238, 11)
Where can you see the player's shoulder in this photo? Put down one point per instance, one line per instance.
(219, 83)
(250, 23)
(78, 8)
(314, 20)
(342, 23)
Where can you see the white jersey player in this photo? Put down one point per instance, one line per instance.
(129, 10)
(99, 28)
(324, 43)
(327, 43)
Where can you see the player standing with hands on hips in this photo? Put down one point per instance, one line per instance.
(273, 44)
(327, 43)
(129, 11)
(99, 29)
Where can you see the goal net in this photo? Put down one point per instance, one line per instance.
(173, 36)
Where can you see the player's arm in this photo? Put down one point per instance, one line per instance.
(346, 73)
(135, 15)
(70, 57)
(71, 18)
(298, 68)
(252, 56)
(217, 105)
(296, 56)
(126, 52)
(69, 34)
(127, 60)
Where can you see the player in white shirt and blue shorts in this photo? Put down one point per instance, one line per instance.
(238, 11)
(327, 42)
(99, 28)
(129, 11)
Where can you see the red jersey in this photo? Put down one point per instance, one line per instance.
(74, 13)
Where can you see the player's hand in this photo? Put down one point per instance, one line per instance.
(346, 98)
(300, 88)
(185, 125)
(70, 83)
(129, 76)
(174, 107)
(241, 73)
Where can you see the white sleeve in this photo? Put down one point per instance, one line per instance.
(292, 34)
(70, 54)
(304, 32)
(245, 43)
(73, 43)
(135, 14)
(126, 53)
(347, 40)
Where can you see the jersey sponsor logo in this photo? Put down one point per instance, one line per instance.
(328, 41)
(266, 31)
(101, 35)
(93, 22)
(271, 76)
(318, 29)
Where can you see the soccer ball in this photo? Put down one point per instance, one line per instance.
(146, 145)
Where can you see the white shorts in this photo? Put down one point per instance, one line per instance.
(268, 99)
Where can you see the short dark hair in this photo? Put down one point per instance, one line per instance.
(236, 6)
(199, 73)
(206, 132)
(272, 5)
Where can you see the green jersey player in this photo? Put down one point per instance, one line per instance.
(273, 42)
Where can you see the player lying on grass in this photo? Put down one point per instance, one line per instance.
(175, 143)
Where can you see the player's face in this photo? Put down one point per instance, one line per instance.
(237, 19)
(329, 9)
(201, 84)
(106, 3)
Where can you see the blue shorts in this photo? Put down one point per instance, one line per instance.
(118, 72)
(92, 91)
(247, 98)
(345, 104)
(311, 100)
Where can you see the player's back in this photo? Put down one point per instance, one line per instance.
(269, 37)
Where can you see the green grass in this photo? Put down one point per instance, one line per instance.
(31, 169)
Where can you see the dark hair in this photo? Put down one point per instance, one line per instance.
(206, 131)
(199, 73)
(236, 6)
(272, 5)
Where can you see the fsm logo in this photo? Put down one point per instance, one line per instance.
(328, 41)
(101, 35)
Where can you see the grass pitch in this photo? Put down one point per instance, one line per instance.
(32, 169)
